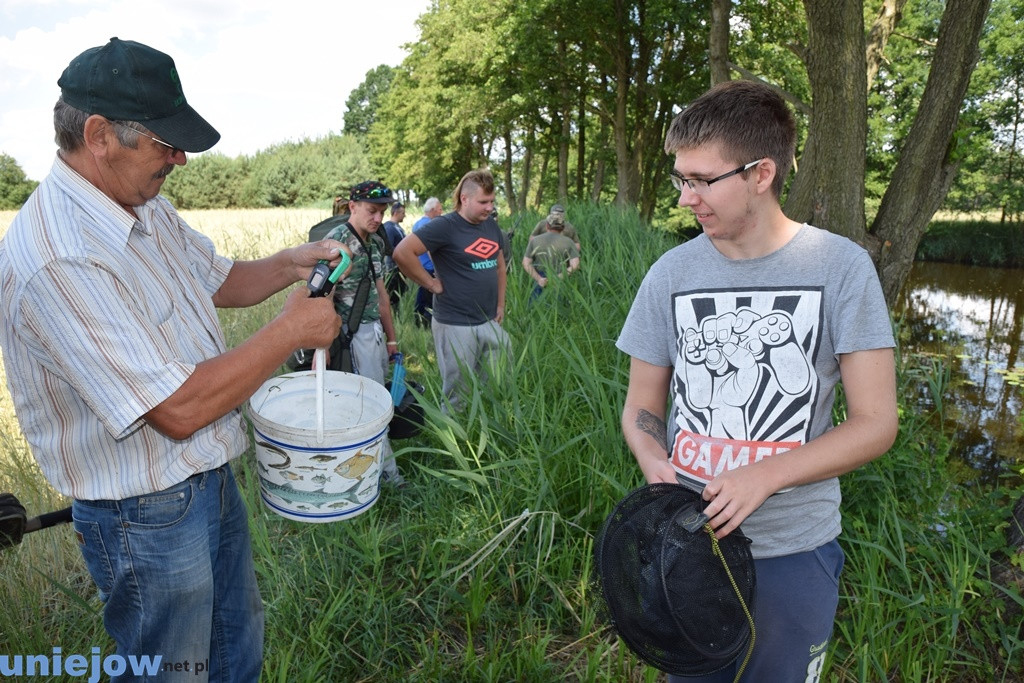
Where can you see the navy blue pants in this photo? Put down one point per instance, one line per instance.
(424, 303)
(794, 611)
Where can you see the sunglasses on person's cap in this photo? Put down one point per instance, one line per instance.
(371, 191)
(128, 81)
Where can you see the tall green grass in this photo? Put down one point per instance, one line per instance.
(974, 242)
(480, 570)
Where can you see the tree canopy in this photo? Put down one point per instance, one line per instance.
(15, 187)
(301, 173)
(903, 107)
(571, 100)
(363, 102)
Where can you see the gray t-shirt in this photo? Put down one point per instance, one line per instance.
(466, 259)
(754, 348)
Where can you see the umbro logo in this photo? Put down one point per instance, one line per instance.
(483, 248)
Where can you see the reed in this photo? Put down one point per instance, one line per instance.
(974, 241)
(480, 570)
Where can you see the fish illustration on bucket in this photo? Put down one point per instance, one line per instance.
(325, 472)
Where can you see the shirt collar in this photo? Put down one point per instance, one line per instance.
(98, 205)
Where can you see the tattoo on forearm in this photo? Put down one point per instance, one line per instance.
(649, 423)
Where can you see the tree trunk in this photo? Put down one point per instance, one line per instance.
(581, 145)
(527, 168)
(928, 161)
(540, 185)
(510, 191)
(718, 41)
(627, 170)
(1008, 178)
(601, 147)
(878, 37)
(565, 134)
(828, 191)
(599, 166)
(564, 122)
(655, 166)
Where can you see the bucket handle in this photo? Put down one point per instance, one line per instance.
(319, 361)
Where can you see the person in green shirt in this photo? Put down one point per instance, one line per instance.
(551, 252)
(556, 217)
(373, 343)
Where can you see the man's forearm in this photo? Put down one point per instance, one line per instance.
(387, 320)
(530, 270)
(251, 282)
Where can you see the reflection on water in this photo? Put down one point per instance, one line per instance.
(973, 318)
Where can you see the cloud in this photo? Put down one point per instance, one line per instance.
(261, 71)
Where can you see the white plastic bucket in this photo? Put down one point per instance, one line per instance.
(310, 481)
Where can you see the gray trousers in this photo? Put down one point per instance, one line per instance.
(370, 360)
(477, 347)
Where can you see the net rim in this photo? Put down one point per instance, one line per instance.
(617, 520)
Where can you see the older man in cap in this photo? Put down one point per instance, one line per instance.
(424, 305)
(120, 375)
(556, 219)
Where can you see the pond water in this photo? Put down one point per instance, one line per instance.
(972, 318)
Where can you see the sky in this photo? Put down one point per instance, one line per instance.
(260, 71)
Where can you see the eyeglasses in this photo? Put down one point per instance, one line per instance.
(701, 186)
(174, 150)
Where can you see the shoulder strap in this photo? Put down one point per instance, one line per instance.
(355, 317)
(386, 245)
(366, 248)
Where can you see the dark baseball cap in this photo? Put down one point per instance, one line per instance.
(128, 81)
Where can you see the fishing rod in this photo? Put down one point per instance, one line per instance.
(15, 523)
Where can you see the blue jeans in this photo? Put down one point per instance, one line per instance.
(537, 289)
(174, 569)
(424, 302)
(794, 611)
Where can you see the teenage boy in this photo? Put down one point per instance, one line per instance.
(469, 287)
(747, 329)
(374, 341)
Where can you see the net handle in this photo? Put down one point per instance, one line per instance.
(739, 596)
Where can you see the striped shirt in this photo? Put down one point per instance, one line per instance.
(104, 317)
